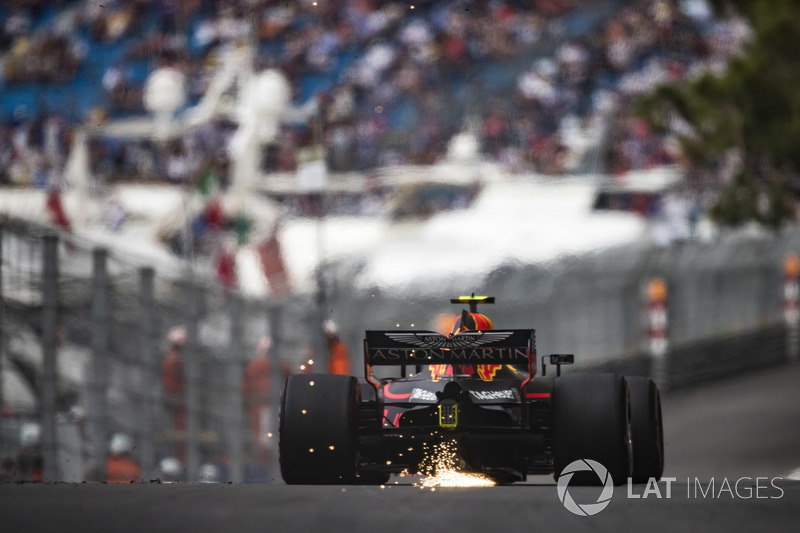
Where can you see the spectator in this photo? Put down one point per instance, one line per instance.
(210, 473)
(43, 58)
(55, 208)
(170, 470)
(383, 66)
(256, 392)
(29, 462)
(257, 395)
(121, 467)
(338, 354)
(174, 383)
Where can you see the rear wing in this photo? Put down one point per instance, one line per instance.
(415, 347)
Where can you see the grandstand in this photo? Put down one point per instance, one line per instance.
(393, 82)
(543, 88)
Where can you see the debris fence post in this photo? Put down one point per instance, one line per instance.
(49, 354)
(149, 376)
(98, 373)
(275, 319)
(3, 350)
(192, 369)
(234, 369)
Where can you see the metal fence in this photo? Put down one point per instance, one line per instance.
(86, 332)
(83, 337)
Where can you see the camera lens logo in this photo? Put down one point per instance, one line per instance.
(586, 509)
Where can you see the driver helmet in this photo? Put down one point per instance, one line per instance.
(476, 322)
(472, 322)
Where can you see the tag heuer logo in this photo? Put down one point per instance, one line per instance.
(493, 394)
(423, 395)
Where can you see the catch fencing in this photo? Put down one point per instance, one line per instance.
(84, 334)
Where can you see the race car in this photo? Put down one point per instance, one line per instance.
(477, 387)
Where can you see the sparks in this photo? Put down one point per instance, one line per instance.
(440, 468)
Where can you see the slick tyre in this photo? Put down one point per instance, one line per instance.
(318, 440)
(371, 478)
(591, 421)
(647, 438)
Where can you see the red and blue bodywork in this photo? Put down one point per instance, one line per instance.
(477, 388)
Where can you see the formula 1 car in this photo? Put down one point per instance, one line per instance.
(479, 389)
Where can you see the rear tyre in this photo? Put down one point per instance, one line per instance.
(591, 421)
(647, 437)
(505, 478)
(371, 478)
(318, 439)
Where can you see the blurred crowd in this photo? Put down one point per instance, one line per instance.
(390, 83)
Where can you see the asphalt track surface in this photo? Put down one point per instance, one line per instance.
(744, 430)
